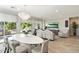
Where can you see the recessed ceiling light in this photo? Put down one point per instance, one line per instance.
(57, 11)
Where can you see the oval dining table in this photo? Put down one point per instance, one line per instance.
(27, 39)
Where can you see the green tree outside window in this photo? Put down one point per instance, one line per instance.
(10, 25)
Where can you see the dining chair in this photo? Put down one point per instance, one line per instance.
(2, 47)
(63, 33)
(39, 33)
(13, 44)
(47, 34)
(23, 49)
(41, 49)
(17, 47)
(6, 44)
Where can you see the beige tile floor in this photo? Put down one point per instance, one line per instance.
(64, 45)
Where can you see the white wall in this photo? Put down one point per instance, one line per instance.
(60, 21)
(41, 22)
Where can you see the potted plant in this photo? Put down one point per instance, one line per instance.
(25, 25)
(74, 26)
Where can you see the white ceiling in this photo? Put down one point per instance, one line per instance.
(44, 11)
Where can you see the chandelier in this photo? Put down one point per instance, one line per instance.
(22, 12)
(23, 15)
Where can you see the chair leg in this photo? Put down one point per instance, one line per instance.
(6, 50)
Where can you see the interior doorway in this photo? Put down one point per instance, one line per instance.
(73, 24)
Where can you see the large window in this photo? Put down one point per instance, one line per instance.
(10, 27)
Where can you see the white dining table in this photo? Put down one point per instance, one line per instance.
(28, 39)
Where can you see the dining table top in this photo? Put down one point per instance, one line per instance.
(27, 38)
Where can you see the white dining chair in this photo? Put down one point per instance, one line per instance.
(41, 49)
(2, 47)
(17, 47)
(63, 33)
(13, 44)
(39, 33)
(23, 49)
(48, 34)
(6, 44)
